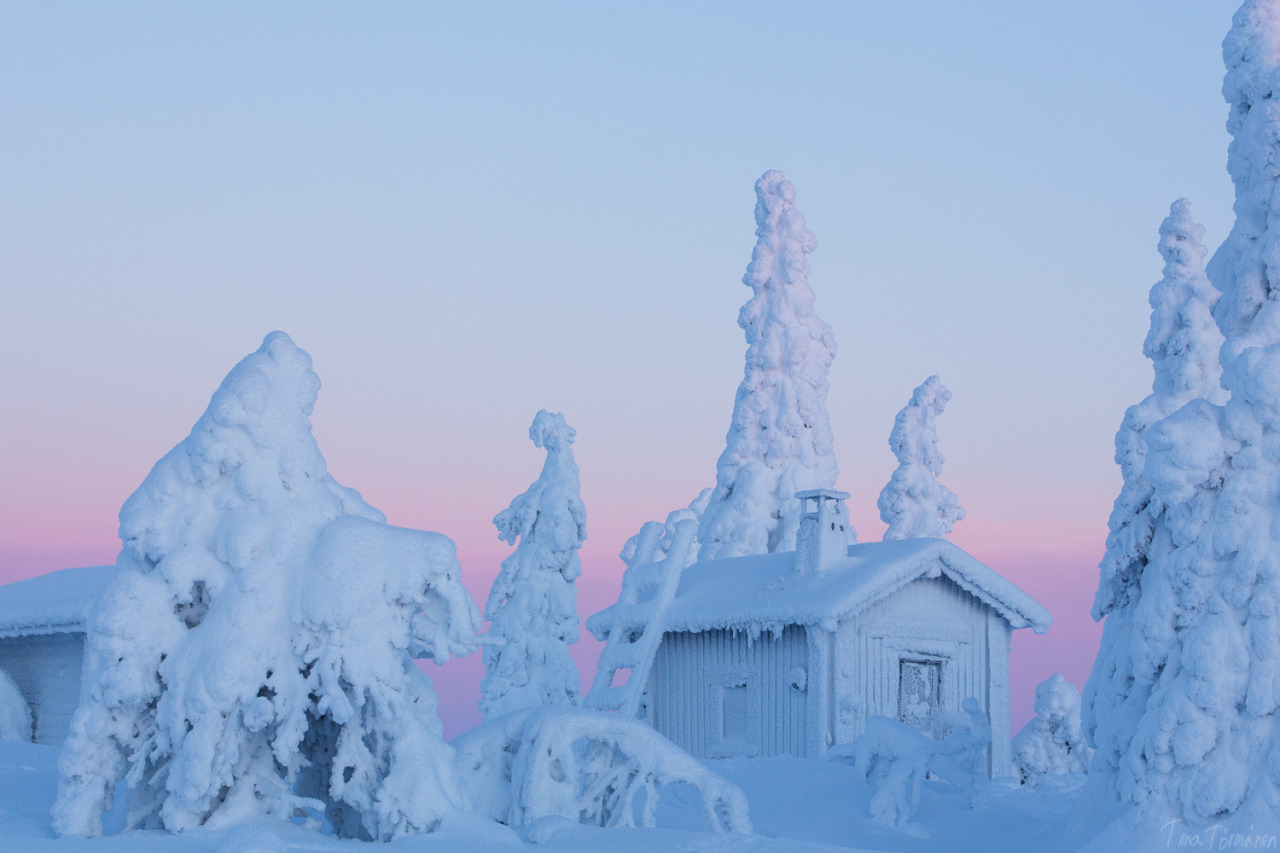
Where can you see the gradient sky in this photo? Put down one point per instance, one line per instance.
(468, 212)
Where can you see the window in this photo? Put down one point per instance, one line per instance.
(920, 695)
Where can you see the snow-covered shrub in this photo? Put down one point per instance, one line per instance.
(253, 654)
(533, 603)
(779, 440)
(15, 714)
(1184, 699)
(587, 766)
(914, 504)
(1052, 743)
(895, 759)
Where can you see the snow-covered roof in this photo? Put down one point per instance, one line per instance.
(48, 604)
(764, 592)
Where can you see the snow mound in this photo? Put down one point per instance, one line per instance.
(914, 504)
(1052, 743)
(533, 603)
(252, 839)
(586, 766)
(253, 653)
(15, 713)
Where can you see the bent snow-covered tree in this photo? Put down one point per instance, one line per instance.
(1198, 733)
(254, 653)
(533, 603)
(914, 504)
(779, 440)
(1183, 344)
(591, 767)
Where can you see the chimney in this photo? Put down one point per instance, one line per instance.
(821, 537)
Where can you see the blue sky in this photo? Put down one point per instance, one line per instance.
(468, 212)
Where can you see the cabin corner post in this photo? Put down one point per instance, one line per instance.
(821, 690)
(998, 633)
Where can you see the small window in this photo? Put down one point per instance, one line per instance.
(736, 723)
(920, 695)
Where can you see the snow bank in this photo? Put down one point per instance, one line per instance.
(587, 766)
(253, 653)
(914, 504)
(779, 440)
(1052, 743)
(533, 603)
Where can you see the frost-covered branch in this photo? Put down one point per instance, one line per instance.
(895, 759)
(590, 767)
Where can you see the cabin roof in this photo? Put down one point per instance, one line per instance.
(764, 592)
(52, 603)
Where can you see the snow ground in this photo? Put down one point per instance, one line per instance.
(797, 805)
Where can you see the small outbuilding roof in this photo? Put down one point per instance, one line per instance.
(49, 604)
(764, 592)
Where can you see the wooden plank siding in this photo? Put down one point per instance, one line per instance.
(695, 701)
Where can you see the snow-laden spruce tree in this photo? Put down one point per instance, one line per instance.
(1183, 344)
(779, 440)
(253, 654)
(913, 503)
(533, 604)
(1197, 735)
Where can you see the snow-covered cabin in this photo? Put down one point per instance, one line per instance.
(42, 628)
(790, 653)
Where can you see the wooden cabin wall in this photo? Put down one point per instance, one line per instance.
(719, 694)
(47, 669)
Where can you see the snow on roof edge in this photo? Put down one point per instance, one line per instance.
(57, 602)
(871, 573)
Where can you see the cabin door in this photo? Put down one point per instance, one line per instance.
(920, 695)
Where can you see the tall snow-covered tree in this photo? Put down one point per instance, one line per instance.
(779, 440)
(1183, 344)
(533, 602)
(1197, 734)
(913, 503)
(253, 654)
